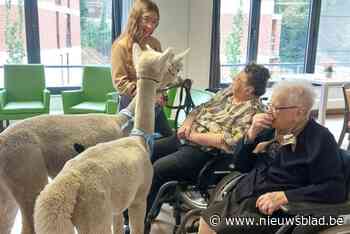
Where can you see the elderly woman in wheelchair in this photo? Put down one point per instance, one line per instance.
(286, 157)
(215, 125)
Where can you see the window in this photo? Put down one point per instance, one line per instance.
(12, 27)
(95, 31)
(334, 37)
(283, 35)
(80, 35)
(234, 21)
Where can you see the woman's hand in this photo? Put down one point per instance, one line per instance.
(131, 90)
(270, 202)
(185, 130)
(260, 122)
(161, 100)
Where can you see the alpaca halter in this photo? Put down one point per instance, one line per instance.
(148, 137)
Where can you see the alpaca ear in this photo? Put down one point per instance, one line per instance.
(167, 56)
(166, 59)
(149, 48)
(136, 53)
(180, 56)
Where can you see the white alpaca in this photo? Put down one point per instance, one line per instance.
(110, 177)
(38, 147)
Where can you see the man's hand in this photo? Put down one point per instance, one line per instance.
(260, 122)
(185, 130)
(270, 202)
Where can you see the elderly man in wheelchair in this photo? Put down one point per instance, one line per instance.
(215, 125)
(292, 170)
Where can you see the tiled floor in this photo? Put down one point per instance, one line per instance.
(165, 222)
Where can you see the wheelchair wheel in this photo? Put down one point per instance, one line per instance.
(225, 185)
(341, 229)
(194, 199)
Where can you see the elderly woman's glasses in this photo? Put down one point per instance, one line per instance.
(274, 108)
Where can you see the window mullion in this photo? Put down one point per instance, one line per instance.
(253, 30)
(32, 31)
(312, 39)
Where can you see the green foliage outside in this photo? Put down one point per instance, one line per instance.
(233, 43)
(14, 39)
(95, 33)
(293, 33)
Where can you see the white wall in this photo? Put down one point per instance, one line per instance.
(200, 41)
(187, 23)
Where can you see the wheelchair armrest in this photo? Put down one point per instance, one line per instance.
(219, 166)
(316, 209)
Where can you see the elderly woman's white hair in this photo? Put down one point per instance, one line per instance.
(296, 93)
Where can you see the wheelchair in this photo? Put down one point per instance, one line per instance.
(184, 196)
(305, 209)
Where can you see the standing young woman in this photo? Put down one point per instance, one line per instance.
(143, 20)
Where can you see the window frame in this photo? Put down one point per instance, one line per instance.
(33, 37)
(253, 35)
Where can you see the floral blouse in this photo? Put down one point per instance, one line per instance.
(220, 115)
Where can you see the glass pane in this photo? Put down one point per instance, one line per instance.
(283, 35)
(234, 21)
(73, 32)
(96, 34)
(12, 30)
(334, 37)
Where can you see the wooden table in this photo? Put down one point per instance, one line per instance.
(325, 83)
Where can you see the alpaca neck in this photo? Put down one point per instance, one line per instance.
(144, 111)
(121, 118)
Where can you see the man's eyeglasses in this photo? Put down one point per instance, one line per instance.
(273, 108)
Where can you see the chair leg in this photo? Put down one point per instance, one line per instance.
(157, 204)
(2, 127)
(177, 214)
(342, 134)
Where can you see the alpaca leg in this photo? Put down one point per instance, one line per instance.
(8, 209)
(93, 210)
(26, 200)
(137, 212)
(118, 224)
(26, 179)
(97, 221)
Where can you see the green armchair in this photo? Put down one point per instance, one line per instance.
(97, 94)
(24, 94)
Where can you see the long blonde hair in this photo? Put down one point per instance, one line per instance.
(133, 32)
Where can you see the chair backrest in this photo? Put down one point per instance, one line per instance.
(346, 93)
(171, 94)
(200, 96)
(97, 82)
(24, 82)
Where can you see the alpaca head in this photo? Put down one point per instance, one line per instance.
(150, 64)
(172, 77)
